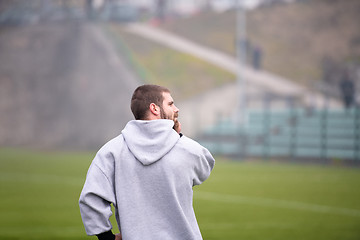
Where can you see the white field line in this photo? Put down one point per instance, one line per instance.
(61, 231)
(248, 225)
(267, 202)
(45, 179)
(209, 196)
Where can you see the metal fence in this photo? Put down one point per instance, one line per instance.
(292, 132)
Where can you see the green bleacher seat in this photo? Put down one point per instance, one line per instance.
(330, 134)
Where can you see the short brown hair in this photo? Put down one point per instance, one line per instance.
(143, 96)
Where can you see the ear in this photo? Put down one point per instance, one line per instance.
(154, 109)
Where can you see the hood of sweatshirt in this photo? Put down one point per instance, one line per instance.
(150, 140)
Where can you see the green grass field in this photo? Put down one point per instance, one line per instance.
(241, 200)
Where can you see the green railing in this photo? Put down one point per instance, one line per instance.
(293, 133)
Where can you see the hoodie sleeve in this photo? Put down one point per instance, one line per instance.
(97, 196)
(203, 166)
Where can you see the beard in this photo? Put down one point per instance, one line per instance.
(163, 115)
(174, 117)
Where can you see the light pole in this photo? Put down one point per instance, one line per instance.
(240, 75)
(241, 60)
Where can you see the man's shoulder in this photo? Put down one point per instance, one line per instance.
(106, 156)
(110, 149)
(113, 144)
(190, 145)
(187, 141)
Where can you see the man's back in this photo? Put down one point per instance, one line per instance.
(147, 173)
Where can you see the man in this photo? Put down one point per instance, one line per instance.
(147, 173)
(347, 89)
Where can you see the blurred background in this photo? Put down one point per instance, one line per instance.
(256, 82)
(251, 78)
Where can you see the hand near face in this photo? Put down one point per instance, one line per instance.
(177, 126)
(118, 236)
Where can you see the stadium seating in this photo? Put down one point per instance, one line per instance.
(294, 133)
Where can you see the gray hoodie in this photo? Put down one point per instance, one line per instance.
(147, 173)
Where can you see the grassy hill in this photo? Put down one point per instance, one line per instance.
(294, 38)
(158, 64)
